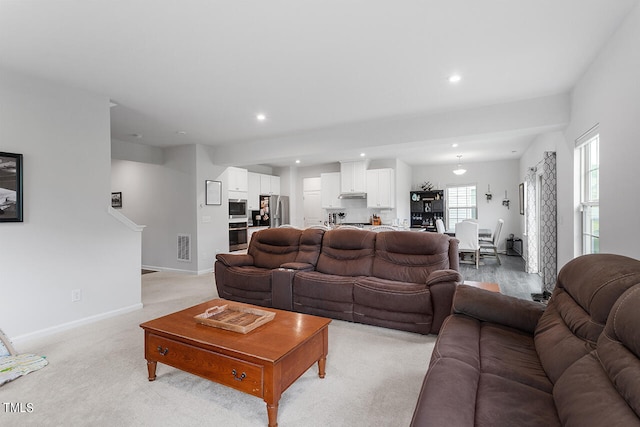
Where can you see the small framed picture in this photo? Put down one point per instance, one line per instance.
(213, 192)
(10, 187)
(116, 199)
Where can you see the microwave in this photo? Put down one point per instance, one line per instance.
(237, 208)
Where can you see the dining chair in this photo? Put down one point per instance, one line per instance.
(490, 248)
(467, 235)
(491, 238)
(440, 226)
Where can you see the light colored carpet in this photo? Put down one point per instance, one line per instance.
(97, 375)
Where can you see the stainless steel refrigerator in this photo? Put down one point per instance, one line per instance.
(274, 210)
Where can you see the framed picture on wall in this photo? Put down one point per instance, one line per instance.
(10, 187)
(521, 198)
(213, 192)
(116, 199)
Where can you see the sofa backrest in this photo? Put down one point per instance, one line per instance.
(409, 256)
(602, 388)
(347, 252)
(310, 244)
(586, 290)
(273, 247)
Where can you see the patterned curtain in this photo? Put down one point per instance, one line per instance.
(548, 221)
(531, 260)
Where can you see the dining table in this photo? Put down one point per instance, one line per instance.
(482, 232)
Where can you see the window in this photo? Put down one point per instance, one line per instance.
(590, 192)
(461, 204)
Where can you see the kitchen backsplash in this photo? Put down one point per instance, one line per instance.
(356, 211)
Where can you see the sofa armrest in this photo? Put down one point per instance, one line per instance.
(442, 285)
(235, 260)
(298, 266)
(443, 276)
(494, 307)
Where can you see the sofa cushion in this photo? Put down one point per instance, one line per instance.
(602, 388)
(492, 349)
(347, 252)
(323, 294)
(410, 256)
(273, 247)
(586, 290)
(310, 244)
(248, 284)
(381, 302)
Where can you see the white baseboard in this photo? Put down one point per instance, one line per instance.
(175, 270)
(74, 324)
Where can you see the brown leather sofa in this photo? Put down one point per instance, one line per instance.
(396, 279)
(500, 361)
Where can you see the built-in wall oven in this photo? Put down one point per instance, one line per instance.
(238, 208)
(237, 235)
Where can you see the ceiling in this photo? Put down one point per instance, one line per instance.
(198, 71)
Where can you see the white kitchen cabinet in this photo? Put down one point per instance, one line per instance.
(269, 184)
(330, 190)
(380, 188)
(253, 193)
(238, 179)
(353, 177)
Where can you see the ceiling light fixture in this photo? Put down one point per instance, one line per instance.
(261, 117)
(459, 170)
(454, 145)
(362, 154)
(455, 78)
(298, 161)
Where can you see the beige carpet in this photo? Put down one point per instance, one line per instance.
(97, 376)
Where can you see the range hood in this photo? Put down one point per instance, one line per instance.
(353, 196)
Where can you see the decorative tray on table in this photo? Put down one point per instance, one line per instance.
(234, 317)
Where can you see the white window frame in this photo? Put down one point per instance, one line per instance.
(588, 146)
(472, 209)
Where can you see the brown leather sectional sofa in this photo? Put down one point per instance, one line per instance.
(500, 361)
(396, 279)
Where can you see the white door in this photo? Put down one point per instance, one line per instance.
(312, 208)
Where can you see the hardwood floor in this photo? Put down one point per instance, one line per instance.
(511, 275)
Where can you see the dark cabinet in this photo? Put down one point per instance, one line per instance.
(426, 207)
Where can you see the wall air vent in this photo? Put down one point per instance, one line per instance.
(184, 247)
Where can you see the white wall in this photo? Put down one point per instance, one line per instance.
(500, 175)
(162, 198)
(608, 94)
(67, 240)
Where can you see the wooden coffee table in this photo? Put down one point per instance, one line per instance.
(263, 362)
(493, 287)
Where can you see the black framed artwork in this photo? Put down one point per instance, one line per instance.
(213, 192)
(116, 199)
(10, 187)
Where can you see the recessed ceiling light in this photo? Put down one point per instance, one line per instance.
(454, 145)
(362, 154)
(455, 78)
(298, 161)
(261, 117)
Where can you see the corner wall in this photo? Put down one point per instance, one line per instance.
(608, 94)
(67, 240)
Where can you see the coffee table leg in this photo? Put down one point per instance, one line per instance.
(322, 363)
(151, 367)
(272, 413)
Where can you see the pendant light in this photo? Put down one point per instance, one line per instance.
(459, 170)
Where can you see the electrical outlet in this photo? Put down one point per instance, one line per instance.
(76, 295)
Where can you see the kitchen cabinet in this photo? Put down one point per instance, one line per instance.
(353, 177)
(253, 193)
(380, 188)
(330, 190)
(269, 184)
(238, 179)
